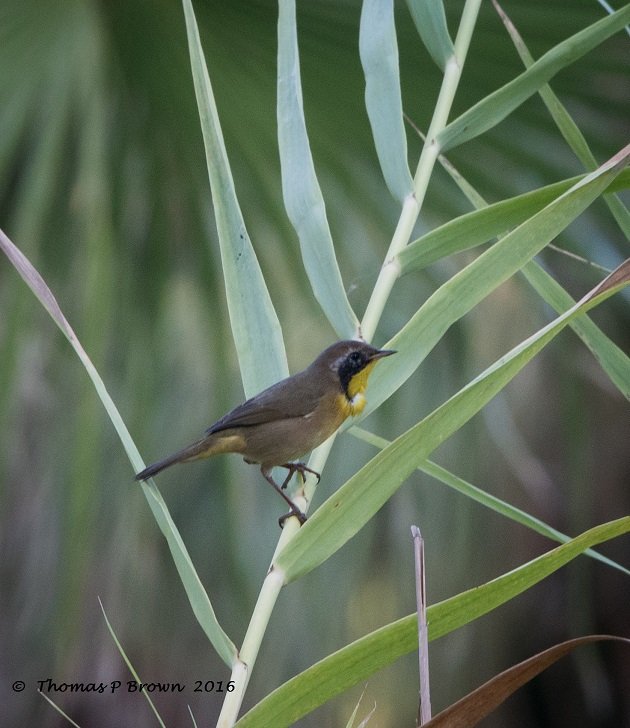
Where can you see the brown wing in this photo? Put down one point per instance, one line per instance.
(296, 397)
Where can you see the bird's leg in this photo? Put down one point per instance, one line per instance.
(297, 468)
(295, 511)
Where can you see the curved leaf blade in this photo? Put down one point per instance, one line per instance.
(255, 326)
(566, 126)
(197, 595)
(303, 198)
(486, 499)
(477, 705)
(495, 107)
(612, 359)
(614, 362)
(379, 56)
(473, 283)
(128, 662)
(481, 225)
(430, 21)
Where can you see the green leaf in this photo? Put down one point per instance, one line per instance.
(494, 108)
(58, 709)
(379, 57)
(567, 127)
(481, 225)
(349, 509)
(488, 221)
(303, 198)
(255, 325)
(613, 360)
(430, 20)
(366, 720)
(466, 289)
(477, 227)
(369, 654)
(197, 595)
(485, 499)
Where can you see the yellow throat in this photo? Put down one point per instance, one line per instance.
(354, 400)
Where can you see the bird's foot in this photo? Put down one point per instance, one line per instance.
(295, 511)
(300, 468)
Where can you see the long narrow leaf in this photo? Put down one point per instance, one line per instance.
(59, 710)
(197, 595)
(354, 663)
(379, 57)
(477, 227)
(347, 510)
(567, 127)
(481, 225)
(494, 108)
(430, 21)
(613, 360)
(472, 284)
(302, 195)
(486, 499)
(255, 325)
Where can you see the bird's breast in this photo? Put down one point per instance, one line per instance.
(351, 406)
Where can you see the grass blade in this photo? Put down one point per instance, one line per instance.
(462, 292)
(132, 670)
(567, 127)
(613, 360)
(303, 198)
(255, 325)
(59, 710)
(195, 591)
(481, 225)
(480, 703)
(494, 108)
(430, 21)
(379, 57)
(486, 499)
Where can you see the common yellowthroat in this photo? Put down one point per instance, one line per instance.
(290, 418)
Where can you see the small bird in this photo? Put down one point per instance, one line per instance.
(289, 419)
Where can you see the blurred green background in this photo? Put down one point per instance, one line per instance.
(103, 186)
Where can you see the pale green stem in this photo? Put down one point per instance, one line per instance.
(233, 701)
(390, 269)
(412, 205)
(242, 668)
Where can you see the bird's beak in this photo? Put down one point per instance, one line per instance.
(382, 353)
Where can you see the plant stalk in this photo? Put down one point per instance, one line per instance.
(242, 668)
(390, 271)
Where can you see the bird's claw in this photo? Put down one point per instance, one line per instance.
(297, 513)
(300, 468)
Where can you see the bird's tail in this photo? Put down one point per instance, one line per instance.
(197, 449)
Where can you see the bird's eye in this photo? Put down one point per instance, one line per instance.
(355, 357)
